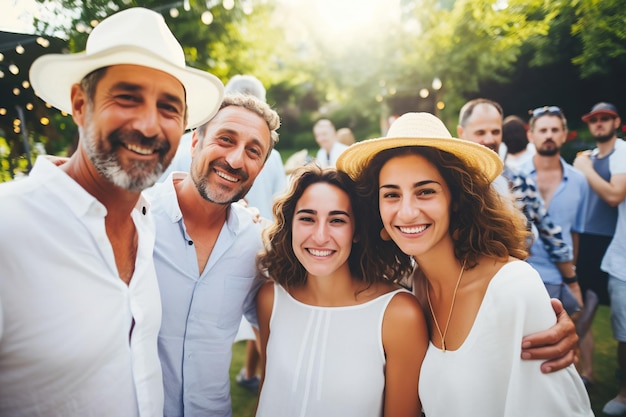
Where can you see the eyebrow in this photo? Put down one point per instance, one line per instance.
(232, 132)
(332, 213)
(417, 184)
(126, 86)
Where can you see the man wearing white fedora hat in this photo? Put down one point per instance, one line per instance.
(79, 301)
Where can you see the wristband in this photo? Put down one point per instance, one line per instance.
(571, 280)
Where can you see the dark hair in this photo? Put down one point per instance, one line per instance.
(514, 134)
(481, 221)
(279, 259)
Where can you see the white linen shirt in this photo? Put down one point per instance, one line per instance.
(65, 314)
(201, 310)
(326, 160)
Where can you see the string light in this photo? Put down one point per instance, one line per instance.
(207, 17)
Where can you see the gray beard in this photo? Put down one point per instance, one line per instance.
(138, 177)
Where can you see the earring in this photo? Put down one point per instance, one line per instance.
(384, 235)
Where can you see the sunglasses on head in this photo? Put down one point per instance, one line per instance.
(540, 111)
(604, 118)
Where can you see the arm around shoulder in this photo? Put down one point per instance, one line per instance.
(555, 344)
(405, 340)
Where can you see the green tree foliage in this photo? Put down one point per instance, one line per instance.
(519, 52)
(601, 27)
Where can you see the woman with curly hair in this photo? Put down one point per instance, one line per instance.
(431, 202)
(336, 340)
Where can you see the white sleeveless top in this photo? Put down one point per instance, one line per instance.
(324, 361)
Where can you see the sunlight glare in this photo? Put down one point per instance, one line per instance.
(349, 17)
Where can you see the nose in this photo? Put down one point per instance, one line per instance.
(320, 234)
(147, 121)
(489, 140)
(235, 157)
(409, 210)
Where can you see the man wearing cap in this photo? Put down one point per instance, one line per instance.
(603, 242)
(79, 301)
(599, 224)
(205, 252)
(563, 190)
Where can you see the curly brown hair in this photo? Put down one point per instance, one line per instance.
(482, 223)
(278, 259)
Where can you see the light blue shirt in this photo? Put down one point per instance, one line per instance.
(566, 210)
(201, 313)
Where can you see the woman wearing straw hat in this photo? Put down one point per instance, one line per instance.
(431, 200)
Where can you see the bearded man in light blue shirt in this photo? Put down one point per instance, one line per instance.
(563, 189)
(205, 253)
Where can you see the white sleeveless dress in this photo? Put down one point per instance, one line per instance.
(324, 361)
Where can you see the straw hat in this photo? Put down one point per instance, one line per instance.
(135, 36)
(420, 129)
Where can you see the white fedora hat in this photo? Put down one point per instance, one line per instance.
(135, 36)
(420, 129)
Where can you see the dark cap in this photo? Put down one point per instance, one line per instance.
(601, 108)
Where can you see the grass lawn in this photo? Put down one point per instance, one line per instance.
(605, 364)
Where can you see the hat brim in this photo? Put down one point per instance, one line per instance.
(355, 159)
(589, 115)
(53, 75)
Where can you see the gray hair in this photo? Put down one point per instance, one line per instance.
(468, 109)
(245, 84)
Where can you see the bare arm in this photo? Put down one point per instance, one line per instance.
(265, 303)
(556, 344)
(612, 192)
(405, 339)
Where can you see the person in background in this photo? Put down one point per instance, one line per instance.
(605, 171)
(563, 190)
(205, 251)
(337, 339)
(433, 202)
(480, 121)
(79, 322)
(599, 224)
(514, 136)
(345, 136)
(330, 147)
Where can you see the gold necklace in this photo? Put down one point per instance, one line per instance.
(445, 331)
